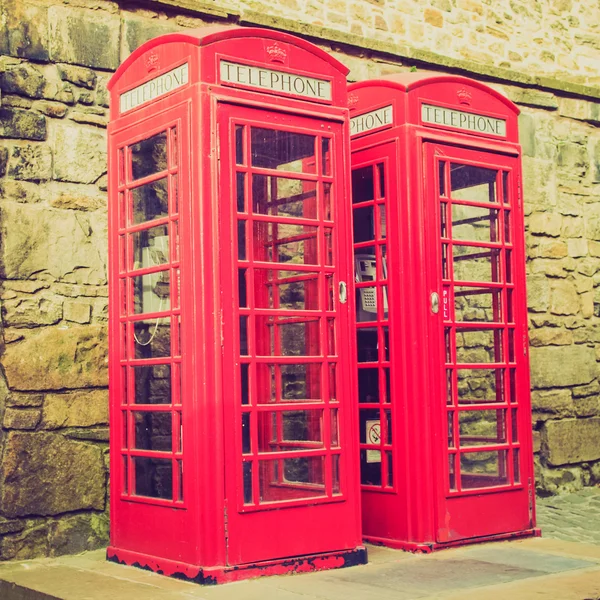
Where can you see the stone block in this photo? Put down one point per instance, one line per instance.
(564, 299)
(89, 118)
(531, 97)
(559, 481)
(553, 402)
(102, 95)
(545, 223)
(24, 30)
(587, 304)
(596, 162)
(527, 135)
(69, 358)
(538, 293)
(11, 526)
(77, 311)
(24, 400)
(79, 153)
(78, 533)
(46, 474)
(587, 406)
(23, 79)
(75, 196)
(20, 191)
(572, 441)
(537, 441)
(17, 123)
(24, 418)
(550, 336)
(84, 37)
(78, 75)
(58, 245)
(549, 248)
(30, 162)
(31, 543)
(92, 434)
(577, 247)
(137, 30)
(75, 409)
(561, 366)
(589, 266)
(573, 157)
(572, 227)
(3, 161)
(50, 108)
(32, 312)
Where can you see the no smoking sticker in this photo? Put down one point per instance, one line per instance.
(373, 437)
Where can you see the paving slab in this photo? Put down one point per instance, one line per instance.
(534, 568)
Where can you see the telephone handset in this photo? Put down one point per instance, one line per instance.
(365, 266)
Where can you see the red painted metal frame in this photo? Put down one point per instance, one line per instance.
(204, 533)
(422, 514)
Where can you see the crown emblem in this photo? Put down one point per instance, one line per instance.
(352, 99)
(152, 61)
(464, 96)
(276, 53)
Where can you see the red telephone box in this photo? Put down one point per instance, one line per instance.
(443, 375)
(233, 408)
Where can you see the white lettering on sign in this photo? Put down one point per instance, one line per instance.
(372, 120)
(155, 88)
(437, 115)
(275, 81)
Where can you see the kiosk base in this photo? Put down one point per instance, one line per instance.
(427, 547)
(228, 574)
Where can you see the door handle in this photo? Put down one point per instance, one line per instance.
(343, 292)
(435, 303)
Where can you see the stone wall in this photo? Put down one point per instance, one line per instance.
(55, 60)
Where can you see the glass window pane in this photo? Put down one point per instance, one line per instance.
(242, 240)
(153, 477)
(285, 243)
(152, 292)
(367, 344)
(149, 156)
(240, 184)
(288, 336)
(286, 290)
(370, 467)
(364, 224)
(483, 469)
(335, 474)
(291, 478)
(477, 304)
(368, 385)
(480, 386)
(150, 201)
(239, 144)
(153, 431)
(478, 346)
(473, 263)
(482, 427)
(282, 150)
(390, 468)
(284, 197)
(475, 224)
(152, 338)
(472, 183)
(150, 247)
(247, 475)
(152, 384)
(442, 178)
(246, 436)
(363, 185)
(300, 382)
(289, 430)
(326, 156)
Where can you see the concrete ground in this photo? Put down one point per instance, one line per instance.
(563, 565)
